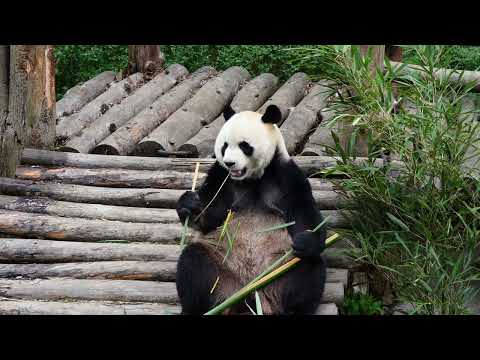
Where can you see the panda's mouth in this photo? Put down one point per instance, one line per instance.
(238, 173)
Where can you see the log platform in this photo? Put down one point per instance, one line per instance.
(91, 229)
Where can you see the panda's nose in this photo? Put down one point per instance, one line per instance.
(229, 163)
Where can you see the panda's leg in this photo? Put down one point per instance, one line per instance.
(301, 289)
(197, 271)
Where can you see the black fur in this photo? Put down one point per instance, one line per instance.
(296, 203)
(246, 148)
(272, 115)
(193, 291)
(224, 147)
(228, 112)
(303, 286)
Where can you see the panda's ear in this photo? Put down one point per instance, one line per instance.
(228, 112)
(272, 115)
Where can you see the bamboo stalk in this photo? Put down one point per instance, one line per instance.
(264, 279)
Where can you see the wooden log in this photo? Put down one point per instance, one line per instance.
(86, 289)
(71, 125)
(326, 199)
(147, 197)
(319, 142)
(114, 290)
(75, 98)
(323, 309)
(304, 117)
(32, 307)
(19, 251)
(250, 97)
(128, 108)
(309, 164)
(289, 95)
(24, 224)
(200, 110)
(450, 75)
(127, 178)
(337, 276)
(124, 140)
(116, 213)
(88, 211)
(111, 177)
(114, 270)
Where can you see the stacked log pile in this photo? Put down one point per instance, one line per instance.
(83, 234)
(180, 114)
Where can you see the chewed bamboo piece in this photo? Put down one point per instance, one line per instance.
(185, 227)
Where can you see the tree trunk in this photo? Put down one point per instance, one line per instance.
(378, 55)
(147, 59)
(15, 71)
(41, 98)
(394, 52)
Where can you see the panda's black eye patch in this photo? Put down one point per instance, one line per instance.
(246, 148)
(224, 147)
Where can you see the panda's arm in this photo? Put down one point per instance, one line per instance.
(213, 216)
(302, 209)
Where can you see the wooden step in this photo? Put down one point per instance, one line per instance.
(115, 290)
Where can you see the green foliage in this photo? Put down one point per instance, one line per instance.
(456, 56)
(361, 304)
(255, 58)
(417, 225)
(79, 63)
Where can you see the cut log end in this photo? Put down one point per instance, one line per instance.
(148, 148)
(105, 149)
(68, 149)
(189, 148)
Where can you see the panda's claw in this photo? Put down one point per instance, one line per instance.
(188, 205)
(307, 245)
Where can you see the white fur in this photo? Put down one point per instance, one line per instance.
(264, 138)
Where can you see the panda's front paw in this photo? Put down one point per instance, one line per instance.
(188, 205)
(308, 244)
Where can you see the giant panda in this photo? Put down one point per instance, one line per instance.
(263, 187)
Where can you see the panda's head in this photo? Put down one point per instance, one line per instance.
(248, 141)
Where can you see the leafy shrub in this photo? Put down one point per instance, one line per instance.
(417, 225)
(79, 63)
(361, 304)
